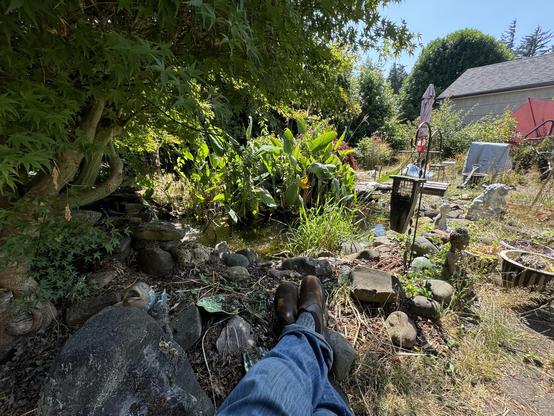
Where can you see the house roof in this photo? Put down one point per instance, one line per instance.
(518, 74)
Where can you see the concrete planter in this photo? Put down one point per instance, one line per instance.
(516, 274)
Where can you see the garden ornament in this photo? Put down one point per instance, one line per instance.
(490, 204)
(440, 221)
(459, 240)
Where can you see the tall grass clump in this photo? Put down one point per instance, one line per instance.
(321, 228)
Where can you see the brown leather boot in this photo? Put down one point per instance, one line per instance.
(312, 300)
(285, 304)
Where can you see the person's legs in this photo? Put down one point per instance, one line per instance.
(331, 403)
(291, 379)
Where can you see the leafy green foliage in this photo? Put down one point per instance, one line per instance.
(321, 228)
(63, 251)
(377, 101)
(445, 59)
(450, 123)
(396, 77)
(274, 173)
(494, 129)
(58, 249)
(148, 60)
(457, 135)
(414, 280)
(373, 152)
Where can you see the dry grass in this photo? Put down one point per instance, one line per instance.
(453, 378)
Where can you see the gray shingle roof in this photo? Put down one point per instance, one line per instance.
(505, 76)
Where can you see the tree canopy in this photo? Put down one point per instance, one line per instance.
(396, 77)
(445, 59)
(76, 74)
(377, 102)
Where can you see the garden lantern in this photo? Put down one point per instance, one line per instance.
(404, 196)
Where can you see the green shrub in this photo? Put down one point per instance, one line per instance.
(525, 156)
(373, 152)
(450, 123)
(321, 228)
(63, 251)
(58, 250)
(493, 129)
(271, 173)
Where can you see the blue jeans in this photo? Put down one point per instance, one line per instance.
(290, 380)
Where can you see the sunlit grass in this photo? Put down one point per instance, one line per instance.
(322, 228)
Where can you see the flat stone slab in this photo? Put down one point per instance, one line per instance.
(373, 285)
(159, 231)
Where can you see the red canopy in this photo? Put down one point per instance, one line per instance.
(531, 114)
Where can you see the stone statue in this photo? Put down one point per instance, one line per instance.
(440, 219)
(491, 203)
(459, 240)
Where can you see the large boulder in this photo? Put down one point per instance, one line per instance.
(308, 265)
(122, 363)
(187, 327)
(159, 231)
(401, 329)
(373, 285)
(191, 253)
(155, 261)
(235, 259)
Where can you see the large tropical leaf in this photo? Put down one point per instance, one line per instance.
(302, 126)
(265, 197)
(288, 142)
(321, 141)
(292, 191)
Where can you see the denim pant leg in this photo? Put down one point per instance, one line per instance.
(290, 380)
(332, 403)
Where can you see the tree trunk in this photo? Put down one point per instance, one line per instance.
(14, 279)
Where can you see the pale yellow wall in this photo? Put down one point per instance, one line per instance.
(496, 104)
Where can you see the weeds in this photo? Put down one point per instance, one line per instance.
(322, 228)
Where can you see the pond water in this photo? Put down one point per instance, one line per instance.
(266, 238)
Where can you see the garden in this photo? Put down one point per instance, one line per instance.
(164, 166)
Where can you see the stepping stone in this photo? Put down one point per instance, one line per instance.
(373, 285)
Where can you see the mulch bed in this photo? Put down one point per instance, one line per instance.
(22, 376)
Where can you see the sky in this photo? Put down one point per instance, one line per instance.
(437, 18)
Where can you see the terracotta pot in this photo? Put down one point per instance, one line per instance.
(516, 274)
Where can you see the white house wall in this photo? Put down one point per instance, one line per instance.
(478, 106)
